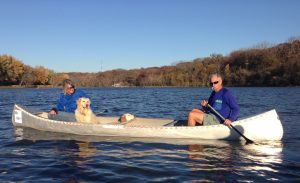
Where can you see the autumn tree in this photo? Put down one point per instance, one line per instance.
(41, 75)
(28, 77)
(11, 70)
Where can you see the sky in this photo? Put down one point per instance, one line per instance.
(101, 35)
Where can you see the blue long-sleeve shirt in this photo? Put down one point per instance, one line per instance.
(67, 103)
(225, 103)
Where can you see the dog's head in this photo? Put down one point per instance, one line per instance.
(126, 117)
(83, 103)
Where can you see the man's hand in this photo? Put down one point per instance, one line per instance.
(227, 122)
(204, 103)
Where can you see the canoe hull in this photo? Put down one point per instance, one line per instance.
(255, 128)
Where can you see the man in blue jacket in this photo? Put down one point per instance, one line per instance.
(222, 100)
(66, 104)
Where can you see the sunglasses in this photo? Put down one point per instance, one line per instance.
(214, 83)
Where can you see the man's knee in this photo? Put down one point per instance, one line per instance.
(191, 114)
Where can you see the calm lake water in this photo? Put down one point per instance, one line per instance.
(34, 156)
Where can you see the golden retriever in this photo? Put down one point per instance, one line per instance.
(83, 113)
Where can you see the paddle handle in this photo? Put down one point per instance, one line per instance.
(216, 112)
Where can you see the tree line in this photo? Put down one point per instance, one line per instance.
(263, 65)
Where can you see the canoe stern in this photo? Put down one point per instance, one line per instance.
(265, 126)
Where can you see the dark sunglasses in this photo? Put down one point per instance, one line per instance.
(214, 83)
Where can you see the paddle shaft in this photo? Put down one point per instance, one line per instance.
(216, 112)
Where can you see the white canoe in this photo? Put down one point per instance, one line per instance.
(261, 127)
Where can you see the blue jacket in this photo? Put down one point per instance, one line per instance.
(67, 103)
(225, 103)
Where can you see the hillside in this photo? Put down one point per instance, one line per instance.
(278, 65)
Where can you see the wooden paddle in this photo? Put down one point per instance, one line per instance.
(248, 141)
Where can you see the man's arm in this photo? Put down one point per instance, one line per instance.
(235, 109)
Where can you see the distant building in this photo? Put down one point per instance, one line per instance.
(118, 85)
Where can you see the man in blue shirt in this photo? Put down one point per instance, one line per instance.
(66, 104)
(222, 100)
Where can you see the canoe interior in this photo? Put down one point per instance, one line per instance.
(137, 122)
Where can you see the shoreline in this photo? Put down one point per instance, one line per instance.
(28, 86)
(51, 86)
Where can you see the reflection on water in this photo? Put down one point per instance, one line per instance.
(258, 152)
(215, 160)
(262, 158)
(206, 160)
(85, 151)
(195, 152)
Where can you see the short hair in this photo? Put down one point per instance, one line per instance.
(216, 74)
